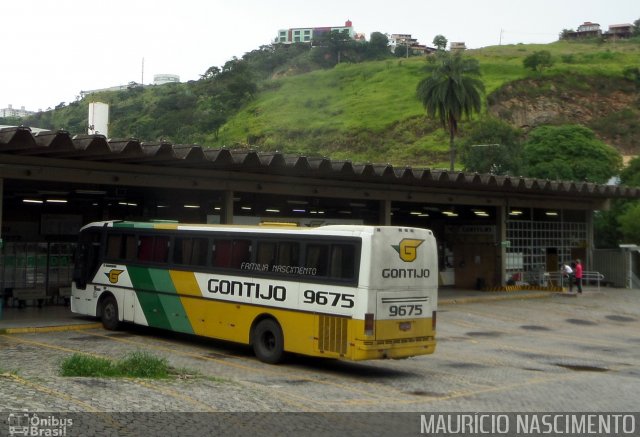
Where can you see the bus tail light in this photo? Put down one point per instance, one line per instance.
(368, 324)
(433, 320)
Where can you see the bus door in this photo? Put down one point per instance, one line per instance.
(86, 258)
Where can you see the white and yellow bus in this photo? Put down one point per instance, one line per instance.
(341, 291)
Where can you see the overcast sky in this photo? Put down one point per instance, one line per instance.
(54, 49)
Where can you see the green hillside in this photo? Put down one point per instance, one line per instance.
(368, 112)
(365, 112)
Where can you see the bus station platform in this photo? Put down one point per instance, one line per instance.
(49, 318)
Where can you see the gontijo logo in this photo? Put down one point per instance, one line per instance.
(113, 275)
(408, 249)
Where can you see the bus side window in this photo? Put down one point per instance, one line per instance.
(343, 258)
(114, 246)
(288, 254)
(161, 249)
(190, 251)
(317, 258)
(241, 253)
(266, 253)
(154, 249)
(121, 247)
(221, 253)
(145, 248)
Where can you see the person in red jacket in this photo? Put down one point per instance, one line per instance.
(578, 275)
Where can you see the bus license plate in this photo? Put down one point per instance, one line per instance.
(405, 326)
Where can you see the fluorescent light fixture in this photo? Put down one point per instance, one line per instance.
(192, 206)
(127, 204)
(56, 201)
(272, 210)
(424, 215)
(299, 210)
(246, 208)
(515, 212)
(217, 208)
(415, 212)
(345, 211)
(551, 213)
(162, 206)
(450, 213)
(32, 201)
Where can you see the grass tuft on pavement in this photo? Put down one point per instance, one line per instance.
(133, 365)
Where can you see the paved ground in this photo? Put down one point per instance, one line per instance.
(562, 354)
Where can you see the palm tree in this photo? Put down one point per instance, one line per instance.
(451, 89)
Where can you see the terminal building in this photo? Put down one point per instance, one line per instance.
(491, 230)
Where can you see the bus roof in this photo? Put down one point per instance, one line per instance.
(277, 228)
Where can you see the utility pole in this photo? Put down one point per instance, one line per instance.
(501, 32)
(142, 78)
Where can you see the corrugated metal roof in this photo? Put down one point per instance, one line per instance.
(60, 144)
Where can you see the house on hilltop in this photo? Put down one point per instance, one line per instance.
(408, 45)
(585, 30)
(619, 31)
(592, 30)
(308, 34)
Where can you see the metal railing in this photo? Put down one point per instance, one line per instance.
(559, 279)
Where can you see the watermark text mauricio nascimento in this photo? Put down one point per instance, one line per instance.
(528, 423)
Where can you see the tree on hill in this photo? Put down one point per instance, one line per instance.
(564, 35)
(538, 61)
(330, 48)
(492, 146)
(451, 89)
(440, 42)
(629, 217)
(620, 223)
(569, 152)
(630, 175)
(378, 45)
(636, 27)
(629, 222)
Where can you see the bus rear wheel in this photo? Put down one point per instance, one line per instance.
(109, 313)
(268, 341)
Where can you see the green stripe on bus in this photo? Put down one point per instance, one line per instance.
(161, 310)
(149, 301)
(172, 305)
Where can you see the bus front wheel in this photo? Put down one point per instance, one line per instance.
(109, 313)
(268, 341)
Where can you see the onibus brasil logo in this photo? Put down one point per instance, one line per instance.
(26, 424)
(408, 249)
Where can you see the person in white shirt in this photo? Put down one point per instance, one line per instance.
(567, 272)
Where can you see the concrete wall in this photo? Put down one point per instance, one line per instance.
(613, 264)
